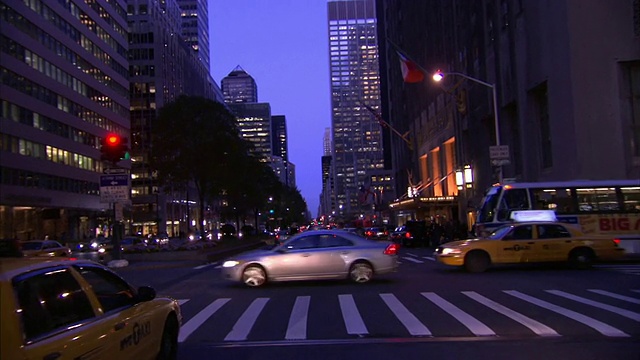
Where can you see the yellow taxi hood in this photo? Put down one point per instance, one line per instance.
(461, 242)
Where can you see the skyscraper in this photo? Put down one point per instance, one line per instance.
(239, 87)
(63, 87)
(195, 27)
(162, 67)
(254, 123)
(357, 136)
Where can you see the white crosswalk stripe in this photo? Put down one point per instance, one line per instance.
(622, 312)
(476, 327)
(297, 328)
(616, 296)
(418, 323)
(195, 322)
(244, 324)
(351, 316)
(597, 325)
(407, 319)
(413, 260)
(535, 326)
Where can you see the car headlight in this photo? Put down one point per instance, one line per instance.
(451, 251)
(231, 263)
(101, 250)
(94, 245)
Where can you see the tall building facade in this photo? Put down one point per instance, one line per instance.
(162, 67)
(239, 87)
(63, 87)
(567, 108)
(279, 141)
(195, 27)
(355, 82)
(254, 123)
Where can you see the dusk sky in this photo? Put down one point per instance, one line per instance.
(283, 45)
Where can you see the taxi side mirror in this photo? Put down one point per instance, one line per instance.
(146, 293)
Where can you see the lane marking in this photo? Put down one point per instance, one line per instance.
(599, 326)
(413, 260)
(429, 258)
(297, 328)
(614, 309)
(616, 296)
(182, 301)
(204, 266)
(195, 322)
(351, 316)
(413, 325)
(243, 326)
(535, 326)
(476, 326)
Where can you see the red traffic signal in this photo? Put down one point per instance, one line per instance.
(113, 148)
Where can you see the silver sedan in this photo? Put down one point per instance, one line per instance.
(321, 254)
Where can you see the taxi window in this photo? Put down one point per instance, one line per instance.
(552, 231)
(112, 292)
(522, 232)
(50, 300)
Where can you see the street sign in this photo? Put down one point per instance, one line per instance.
(500, 162)
(114, 171)
(499, 152)
(114, 188)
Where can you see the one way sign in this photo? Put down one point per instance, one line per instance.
(114, 188)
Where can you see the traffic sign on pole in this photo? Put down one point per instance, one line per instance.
(114, 188)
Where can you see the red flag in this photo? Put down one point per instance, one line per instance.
(410, 70)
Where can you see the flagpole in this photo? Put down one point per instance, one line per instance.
(381, 120)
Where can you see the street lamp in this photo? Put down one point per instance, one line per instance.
(440, 75)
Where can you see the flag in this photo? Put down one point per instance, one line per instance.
(410, 70)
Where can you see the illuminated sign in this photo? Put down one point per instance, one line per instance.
(533, 215)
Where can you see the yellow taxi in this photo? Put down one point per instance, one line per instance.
(44, 248)
(533, 237)
(63, 308)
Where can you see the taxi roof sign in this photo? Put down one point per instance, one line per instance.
(533, 215)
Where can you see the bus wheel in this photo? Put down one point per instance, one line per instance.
(476, 261)
(581, 258)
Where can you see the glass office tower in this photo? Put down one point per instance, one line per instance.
(355, 81)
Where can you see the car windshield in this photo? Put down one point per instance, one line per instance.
(32, 245)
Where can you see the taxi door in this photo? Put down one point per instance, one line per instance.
(553, 242)
(517, 245)
(126, 322)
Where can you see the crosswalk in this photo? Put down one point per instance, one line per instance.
(497, 313)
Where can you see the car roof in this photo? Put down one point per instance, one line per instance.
(11, 267)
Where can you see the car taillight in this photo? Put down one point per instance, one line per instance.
(616, 241)
(392, 249)
(407, 235)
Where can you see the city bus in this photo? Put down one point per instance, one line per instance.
(598, 207)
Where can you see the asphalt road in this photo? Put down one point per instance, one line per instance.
(422, 311)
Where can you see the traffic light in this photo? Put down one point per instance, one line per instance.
(114, 148)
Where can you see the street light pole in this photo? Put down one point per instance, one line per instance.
(440, 75)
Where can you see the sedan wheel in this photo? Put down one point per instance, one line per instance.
(254, 276)
(361, 272)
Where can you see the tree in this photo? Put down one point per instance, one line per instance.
(196, 141)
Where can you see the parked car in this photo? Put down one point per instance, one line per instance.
(413, 233)
(71, 309)
(132, 244)
(529, 242)
(316, 254)
(47, 248)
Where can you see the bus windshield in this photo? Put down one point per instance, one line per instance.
(489, 204)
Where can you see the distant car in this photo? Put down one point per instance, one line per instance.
(376, 233)
(132, 243)
(47, 248)
(315, 254)
(413, 233)
(529, 242)
(76, 309)
(100, 244)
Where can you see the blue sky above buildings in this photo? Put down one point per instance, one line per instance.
(283, 45)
